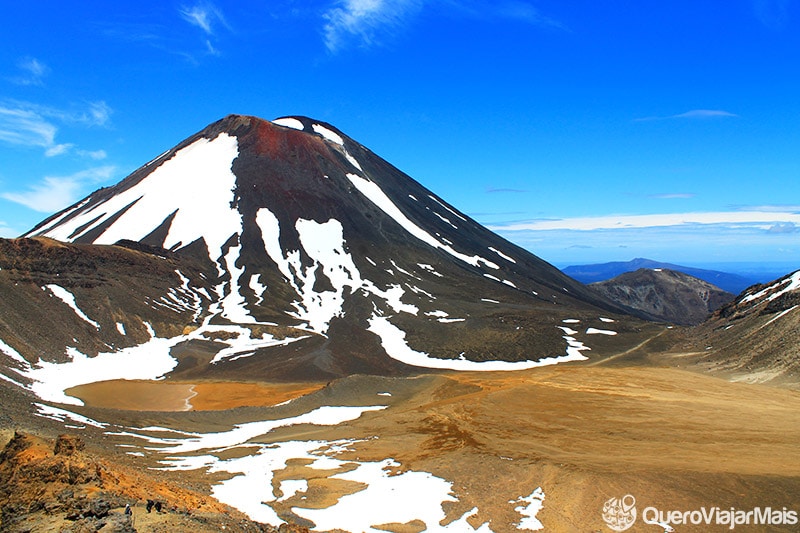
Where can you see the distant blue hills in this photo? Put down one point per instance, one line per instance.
(733, 283)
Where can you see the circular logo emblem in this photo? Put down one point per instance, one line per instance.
(620, 513)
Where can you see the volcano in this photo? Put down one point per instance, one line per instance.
(286, 249)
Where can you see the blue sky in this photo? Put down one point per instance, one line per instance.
(584, 131)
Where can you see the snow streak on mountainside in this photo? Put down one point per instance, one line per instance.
(321, 259)
(756, 337)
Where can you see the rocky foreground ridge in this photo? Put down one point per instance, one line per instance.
(48, 485)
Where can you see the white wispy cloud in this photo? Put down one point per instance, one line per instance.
(205, 16)
(674, 237)
(208, 18)
(96, 114)
(693, 114)
(758, 219)
(32, 125)
(58, 149)
(365, 21)
(97, 155)
(493, 190)
(57, 192)
(26, 127)
(32, 72)
(784, 227)
(773, 208)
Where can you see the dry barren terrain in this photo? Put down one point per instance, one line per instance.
(674, 439)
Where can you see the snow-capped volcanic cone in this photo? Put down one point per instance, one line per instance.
(321, 259)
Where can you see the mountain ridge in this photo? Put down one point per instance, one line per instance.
(665, 294)
(592, 273)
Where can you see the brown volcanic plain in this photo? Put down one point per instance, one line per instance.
(675, 439)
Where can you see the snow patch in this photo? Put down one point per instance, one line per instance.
(412, 496)
(393, 340)
(429, 268)
(149, 360)
(792, 283)
(290, 487)
(446, 207)
(241, 433)
(501, 254)
(62, 415)
(595, 331)
(328, 134)
(381, 200)
(191, 185)
(13, 354)
(445, 220)
(529, 507)
(779, 315)
(289, 122)
(258, 288)
(324, 243)
(68, 298)
(233, 304)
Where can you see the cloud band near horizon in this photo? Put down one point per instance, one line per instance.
(765, 219)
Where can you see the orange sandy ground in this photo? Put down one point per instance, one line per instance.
(181, 396)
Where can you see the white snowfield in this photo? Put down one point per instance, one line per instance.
(196, 183)
(67, 417)
(529, 507)
(328, 134)
(393, 340)
(595, 331)
(289, 122)
(383, 496)
(324, 243)
(147, 361)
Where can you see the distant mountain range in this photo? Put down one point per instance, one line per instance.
(732, 283)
